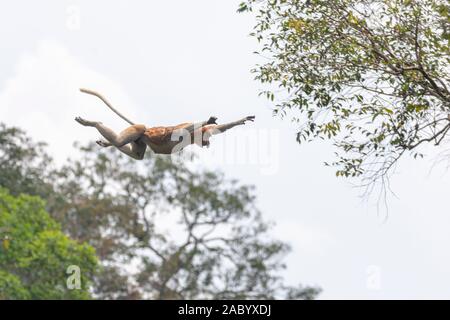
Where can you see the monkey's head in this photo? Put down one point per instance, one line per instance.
(205, 143)
(201, 138)
(205, 139)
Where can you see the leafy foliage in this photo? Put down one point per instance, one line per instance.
(163, 230)
(372, 76)
(35, 254)
(23, 163)
(215, 244)
(11, 287)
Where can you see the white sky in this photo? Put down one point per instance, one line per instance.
(164, 63)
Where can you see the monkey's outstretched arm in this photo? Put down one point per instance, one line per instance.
(98, 95)
(224, 127)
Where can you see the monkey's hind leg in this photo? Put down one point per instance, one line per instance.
(128, 135)
(128, 141)
(135, 150)
(103, 143)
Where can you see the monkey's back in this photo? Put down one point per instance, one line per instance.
(162, 135)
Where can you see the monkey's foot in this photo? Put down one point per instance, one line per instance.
(85, 123)
(212, 120)
(103, 143)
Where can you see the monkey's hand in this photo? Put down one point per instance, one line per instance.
(212, 120)
(249, 118)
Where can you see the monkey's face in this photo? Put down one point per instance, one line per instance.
(205, 139)
(205, 143)
(201, 138)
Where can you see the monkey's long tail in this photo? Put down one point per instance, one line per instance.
(107, 103)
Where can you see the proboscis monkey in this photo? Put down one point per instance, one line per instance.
(134, 140)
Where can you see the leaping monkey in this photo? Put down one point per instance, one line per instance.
(134, 140)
